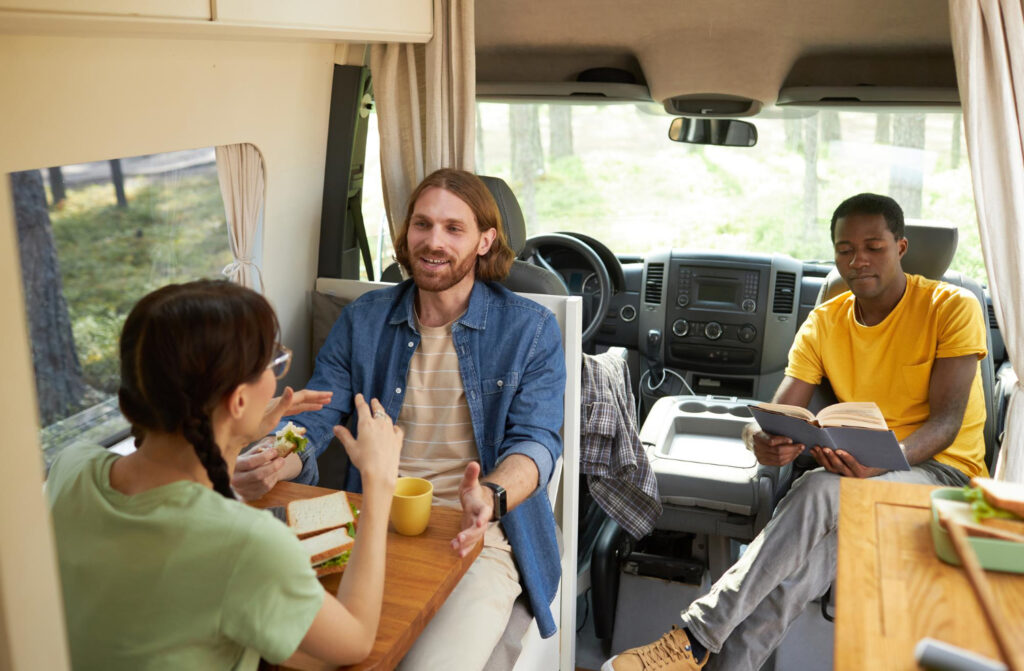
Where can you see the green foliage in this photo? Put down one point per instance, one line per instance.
(636, 191)
(172, 231)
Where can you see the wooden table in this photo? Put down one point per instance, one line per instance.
(421, 572)
(893, 590)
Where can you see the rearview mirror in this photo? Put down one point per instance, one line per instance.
(725, 132)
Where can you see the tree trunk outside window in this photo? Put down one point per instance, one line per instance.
(906, 173)
(527, 156)
(560, 129)
(59, 384)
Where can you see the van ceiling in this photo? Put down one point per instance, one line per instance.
(746, 49)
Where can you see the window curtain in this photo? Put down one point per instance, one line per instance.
(988, 44)
(426, 104)
(240, 172)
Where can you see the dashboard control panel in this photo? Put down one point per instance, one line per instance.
(715, 312)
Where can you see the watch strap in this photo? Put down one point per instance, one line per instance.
(500, 502)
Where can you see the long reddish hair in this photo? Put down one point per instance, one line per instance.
(492, 266)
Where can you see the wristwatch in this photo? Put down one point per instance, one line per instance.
(500, 503)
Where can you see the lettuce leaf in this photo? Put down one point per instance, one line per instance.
(340, 560)
(981, 508)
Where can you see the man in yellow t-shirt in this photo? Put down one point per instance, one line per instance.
(909, 344)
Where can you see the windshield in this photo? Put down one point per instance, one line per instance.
(611, 172)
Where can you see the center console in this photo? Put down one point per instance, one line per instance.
(714, 494)
(728, 319)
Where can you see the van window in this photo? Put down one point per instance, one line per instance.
(610, 171)
(94, 238)
(375, 217)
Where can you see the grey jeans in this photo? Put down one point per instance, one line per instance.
(791, 562)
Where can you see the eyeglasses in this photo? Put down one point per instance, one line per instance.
(281, 362)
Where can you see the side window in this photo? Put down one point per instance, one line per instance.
(375, 217)
(93, 239)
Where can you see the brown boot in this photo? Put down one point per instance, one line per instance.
(671, 652)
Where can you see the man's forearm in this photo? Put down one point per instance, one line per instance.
(518, 475)
(932, 437)
(292, 467)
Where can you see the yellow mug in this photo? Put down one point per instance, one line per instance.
(410, 506)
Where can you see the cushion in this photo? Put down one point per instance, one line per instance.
(326, 309)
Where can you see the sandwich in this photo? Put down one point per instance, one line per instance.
(322, 513)
(997, 504)
(329, 551)
(991, 509)
(290, 439)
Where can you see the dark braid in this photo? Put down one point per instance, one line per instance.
(197, 430)
(186, 347)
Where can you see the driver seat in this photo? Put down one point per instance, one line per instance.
(523, 277)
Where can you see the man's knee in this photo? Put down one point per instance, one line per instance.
(816, 488)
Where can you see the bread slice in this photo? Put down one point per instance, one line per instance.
(1008, 496)
(322, 513)
(960, 511)
(329, 545)
(324, 569)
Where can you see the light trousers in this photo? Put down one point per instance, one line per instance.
(791, 562)
(464, 632)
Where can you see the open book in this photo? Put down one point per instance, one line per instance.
(857, 428)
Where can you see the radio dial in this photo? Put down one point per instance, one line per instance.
(680, 327)
(748, 305)
(683, 300)
(747, 333)
(713, 331)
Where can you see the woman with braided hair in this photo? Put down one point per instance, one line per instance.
(161, 567)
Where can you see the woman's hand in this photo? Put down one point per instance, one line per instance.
(377, 450)
(292, 402)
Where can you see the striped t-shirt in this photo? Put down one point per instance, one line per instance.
(439, 440)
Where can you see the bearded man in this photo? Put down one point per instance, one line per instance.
(474, 375)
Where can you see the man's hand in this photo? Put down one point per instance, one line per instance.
(256, 471)
(843, 463)
(292, 402)
(377, 451)
(477, 507)
(774, 450)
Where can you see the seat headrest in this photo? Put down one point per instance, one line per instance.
(930, 250)
(511, 214)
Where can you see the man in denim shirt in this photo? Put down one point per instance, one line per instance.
(475, 376)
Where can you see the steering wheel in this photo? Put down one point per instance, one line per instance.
(529, 253)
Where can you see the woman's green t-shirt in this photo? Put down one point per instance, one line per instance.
(177, 577)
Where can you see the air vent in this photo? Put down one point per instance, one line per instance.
(993, 323)
(785, 290)
(655, 280)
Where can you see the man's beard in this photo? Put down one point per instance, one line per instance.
(441, 281)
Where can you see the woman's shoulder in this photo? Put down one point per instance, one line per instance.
(73, 461)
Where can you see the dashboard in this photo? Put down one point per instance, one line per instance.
(723, 321)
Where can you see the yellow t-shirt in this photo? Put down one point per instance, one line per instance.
(890, 363)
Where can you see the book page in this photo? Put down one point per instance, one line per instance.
(791, 410)
(865, 415)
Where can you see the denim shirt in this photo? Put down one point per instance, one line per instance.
(513, 372)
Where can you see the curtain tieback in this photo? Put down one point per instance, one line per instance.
(234, 269)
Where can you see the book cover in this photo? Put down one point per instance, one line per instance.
(875, 448)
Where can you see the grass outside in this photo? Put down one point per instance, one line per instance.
(172, 230)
